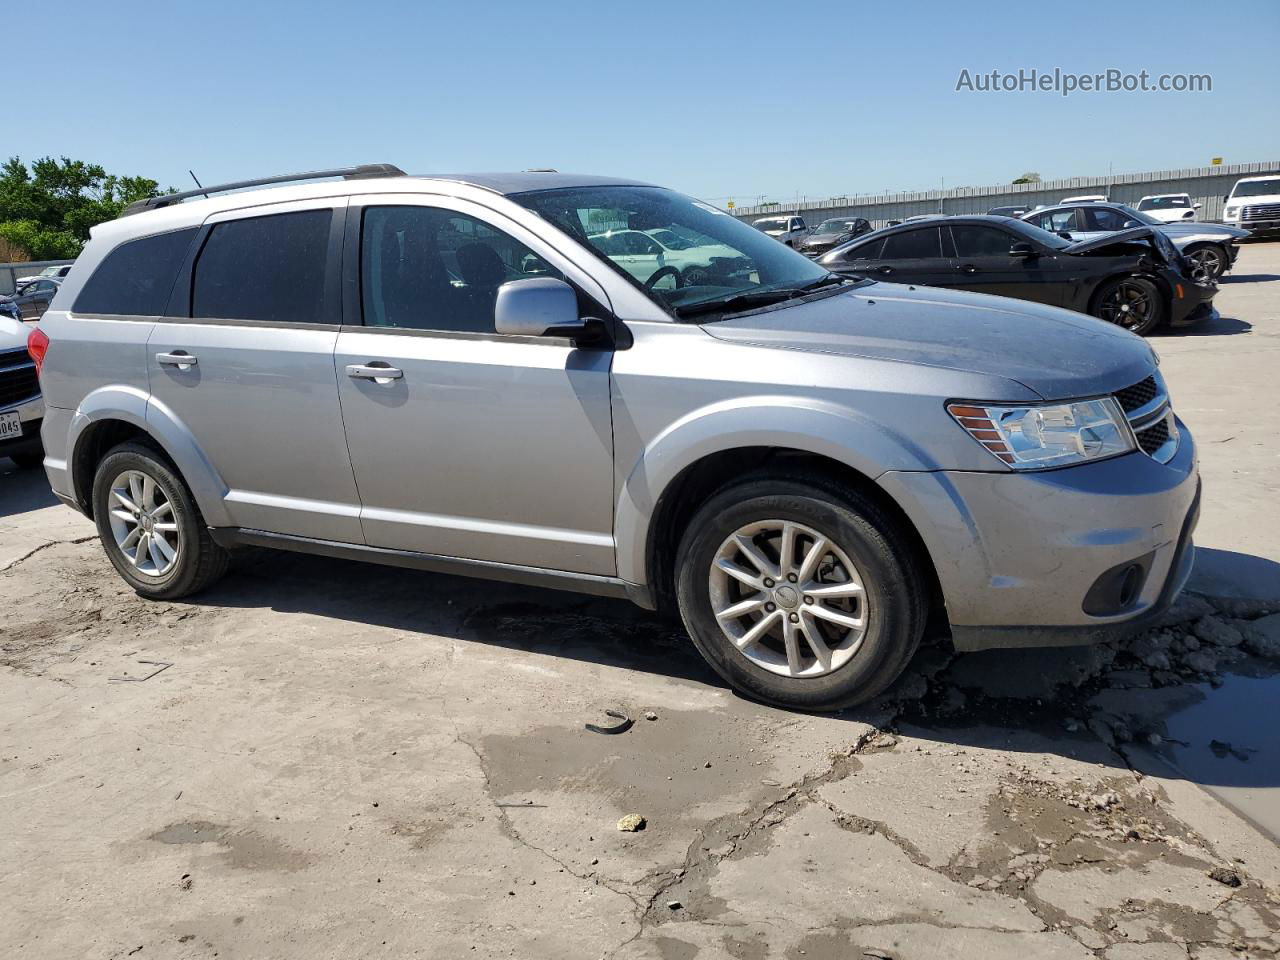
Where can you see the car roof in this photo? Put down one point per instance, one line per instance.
(1157, 196)
(530, 181)
(1268, 176)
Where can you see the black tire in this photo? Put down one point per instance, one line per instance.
(27, 459)
(1144, 300)
(199, 562)
(1209, 262)
(872, 540)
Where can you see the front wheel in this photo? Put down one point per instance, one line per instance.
(1208, 263)
(799, 594)
(150, 526)
(1133, 303)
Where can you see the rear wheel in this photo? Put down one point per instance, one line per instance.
(800, 594)
(1133, 303)
(150, 526)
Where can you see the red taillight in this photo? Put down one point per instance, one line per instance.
(38, 346)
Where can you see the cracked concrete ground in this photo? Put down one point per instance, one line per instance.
(352, 761)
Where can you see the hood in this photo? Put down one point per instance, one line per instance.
(824, 240)
(1194, 228)
(1056, 353)
(13, 333)
(1107, 239)
(1173, 215)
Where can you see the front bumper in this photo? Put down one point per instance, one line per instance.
(1257, 226)
(1017, 554)
(1195, 304)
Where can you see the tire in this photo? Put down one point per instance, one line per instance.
(27, 459)
(891, 605)
(192, 562)
(1209, 262)
(1118, 301)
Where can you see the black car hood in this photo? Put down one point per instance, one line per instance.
(1053, 352)
(825, 239)
(1120, 236)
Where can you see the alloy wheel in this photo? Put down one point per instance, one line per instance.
(1206, 264)
(1129, 305)
(144, 524)
(788, 598)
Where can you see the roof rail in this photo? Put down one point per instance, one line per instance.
(365, 171)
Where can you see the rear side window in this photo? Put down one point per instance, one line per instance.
(865, 251)
(913, 245)
(137, 277)
(269, 268)
(975, 241)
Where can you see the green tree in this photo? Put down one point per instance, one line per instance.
(47, 210)
(1029, 177)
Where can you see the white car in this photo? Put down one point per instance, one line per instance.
(55, 272)
(21, 407)
(1169, 207)
(653, 254)
(1254, 204)
(787, 229)
(1086, 198)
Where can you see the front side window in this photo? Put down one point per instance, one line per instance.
(1104, 218)
(1055, 220)
(270, 269)
(725, 258)
(425, 268)
(136, 278)
(976, 241)
(923, 244)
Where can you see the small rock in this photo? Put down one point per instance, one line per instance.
(594, 861)
(1225, 875)
(650, 715)
(185, 882)
(631, 823)
(1155, 739)
(1072, 725)
(1262, 637)
(1201, 661)
(674, 905)
(1127, 679)
(707, 765)
(1218, 632)
(1187, 608)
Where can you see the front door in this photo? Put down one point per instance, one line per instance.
(246, 367)
(983, 265)
(466, 443)
(913, 256)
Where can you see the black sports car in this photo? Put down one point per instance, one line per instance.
(1135, 278)
(832, 233)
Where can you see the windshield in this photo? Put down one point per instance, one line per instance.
(725, 257)
(1164, 203)
(1133, 214)
(779, 224)
(834, 226)
(1256, 188)
(1050, 240)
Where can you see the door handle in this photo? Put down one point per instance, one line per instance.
(885, 270)
(179, 358)
(968, 268)
(376, 370)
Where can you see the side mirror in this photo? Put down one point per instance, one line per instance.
(1065, 235)
(542, 307)
(1131, 223)
(1196, 206)
(1021, 250)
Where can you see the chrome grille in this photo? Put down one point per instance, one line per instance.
(17, 378)
(1261, 211)
(1146, 406)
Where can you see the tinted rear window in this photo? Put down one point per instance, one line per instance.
(137, 277)
(264, 268)
(913, 245)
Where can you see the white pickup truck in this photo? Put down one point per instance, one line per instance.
(1254, 205)
(786, 229)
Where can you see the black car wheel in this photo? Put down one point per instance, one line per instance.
(1132, 303)
(1208, 263)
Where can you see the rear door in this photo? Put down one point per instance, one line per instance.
(245, 363)
(472, 444)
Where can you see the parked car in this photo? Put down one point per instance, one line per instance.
(803, 465)
(1086, 198)
(832, 233)
(1210, 247)
(1015, 211)
(1133, 278)
(785, 229)
(56, 272)
(1254, 205)
(30, 300)
(21, 409)
(1169, 207)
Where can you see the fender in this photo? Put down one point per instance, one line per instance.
(824, 429)
(136, 407)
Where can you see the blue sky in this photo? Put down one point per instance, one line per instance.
(716, 99)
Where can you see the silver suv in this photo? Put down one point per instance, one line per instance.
(449, 373)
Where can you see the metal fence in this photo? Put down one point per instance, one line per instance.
(10, 272)
(1206, 185)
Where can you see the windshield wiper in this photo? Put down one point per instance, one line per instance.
(757, 298)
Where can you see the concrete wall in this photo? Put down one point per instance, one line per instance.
(1207, 186)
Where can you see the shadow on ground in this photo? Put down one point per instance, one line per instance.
(22, 490)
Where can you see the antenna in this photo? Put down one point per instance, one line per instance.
(196, 179)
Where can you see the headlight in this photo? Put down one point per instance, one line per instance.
(1230, 212)
(1032, 437)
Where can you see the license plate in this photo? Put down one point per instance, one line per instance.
(10, 426)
